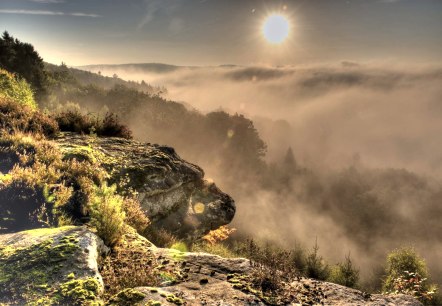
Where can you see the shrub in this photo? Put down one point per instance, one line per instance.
(160, 237)
(106, 213)
(218, 235)
(75, 121)
(129, 265)
(32, 189)
(24, 118)
(272, 266)
(135, 216)
(407, 273)
(399, 263)
(413, 284)
(15, 89)
(344, 274)
(111, 127)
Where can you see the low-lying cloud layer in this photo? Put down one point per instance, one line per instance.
(386, 116)
(333, 117)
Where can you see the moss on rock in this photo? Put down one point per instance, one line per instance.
(37, 268)
(127, 297)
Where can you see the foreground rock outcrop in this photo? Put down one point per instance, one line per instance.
(60, 267)
(57, 266)
(213, 280)
(172, 192)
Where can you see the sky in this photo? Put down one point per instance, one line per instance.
(216, 32)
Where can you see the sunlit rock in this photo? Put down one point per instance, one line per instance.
(173, 193)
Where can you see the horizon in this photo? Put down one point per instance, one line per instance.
(213, 33)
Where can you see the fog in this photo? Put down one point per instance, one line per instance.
(390, 117)
(368, 117)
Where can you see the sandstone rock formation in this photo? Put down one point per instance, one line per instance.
(172, 192)
(213, 280)
(59, 267)
(56, 266)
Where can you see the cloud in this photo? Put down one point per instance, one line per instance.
(48, 1)
(48, 13)
(153, 7)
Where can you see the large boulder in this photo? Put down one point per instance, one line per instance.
(173, 193)
(53, 266)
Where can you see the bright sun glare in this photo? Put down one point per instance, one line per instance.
(276, 29)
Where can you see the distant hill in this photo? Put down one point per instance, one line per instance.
(84, 78)
(146, 67)
(142, 67)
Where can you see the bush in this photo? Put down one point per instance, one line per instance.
(17, 90)
(106, 213)
(272, 265)
(160, 237)
(24, 118)
(109, 126)
(74, 121)
(407, 273)
(130, 264)
(399, 263)
(135, 216)
(344, 274)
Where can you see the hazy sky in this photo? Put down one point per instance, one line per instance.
(212, 32)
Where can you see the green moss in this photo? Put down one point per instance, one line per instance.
(31, 273)
(171, 298)
(153, 303)
(244, 283)
(180, 246)
(81, 153)
(127, 297)
(80, 290)
(71, 276)
(40, 232)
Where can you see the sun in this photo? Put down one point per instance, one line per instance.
(276, 29)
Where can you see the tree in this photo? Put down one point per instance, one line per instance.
(316, 266)
(345, 274)
(16, 90)
(21, 59)
(289, 160)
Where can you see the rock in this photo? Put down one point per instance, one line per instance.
(206, 279)
(53, 266)
(59, 267)
(172, 192)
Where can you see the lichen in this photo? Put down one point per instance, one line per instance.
(127, 297)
